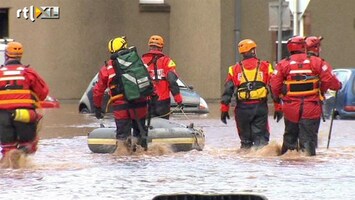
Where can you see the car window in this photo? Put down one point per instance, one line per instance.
(342, 75)
(180, 83)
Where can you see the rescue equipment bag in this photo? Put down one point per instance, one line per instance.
(132, 74)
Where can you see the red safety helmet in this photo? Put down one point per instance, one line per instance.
(313, 44)
(296, 44)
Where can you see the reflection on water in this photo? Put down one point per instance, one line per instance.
(64, 167)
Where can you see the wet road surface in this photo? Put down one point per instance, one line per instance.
(64, 167)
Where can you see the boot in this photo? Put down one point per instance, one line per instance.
(14, 158)
(283, 149)
(131, 143)
(309, 148)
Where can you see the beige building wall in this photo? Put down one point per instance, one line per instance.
(69, 51)
(195, 29)
(199, 36)
(335, 21)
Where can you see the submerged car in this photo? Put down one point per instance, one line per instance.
(192, 101)
(344, 103)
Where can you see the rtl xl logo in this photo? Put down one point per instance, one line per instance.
(42, 12)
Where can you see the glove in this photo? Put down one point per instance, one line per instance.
(278, 114)
(98, 113)
(224, 113)
(154, 97)
(224, 117)
(178, 100)
(180, 106)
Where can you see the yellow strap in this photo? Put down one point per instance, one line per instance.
(112, 99)
(173, 141)
(6, 92)
(30, 101)
(17, 101)
(102, 141)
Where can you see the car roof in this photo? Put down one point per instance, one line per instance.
(341, 69)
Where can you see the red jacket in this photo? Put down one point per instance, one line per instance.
(20, 86)
(105, 76)
(315, 76)
(164, 76)
(236, 78)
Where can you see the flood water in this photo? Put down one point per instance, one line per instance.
(65, 168)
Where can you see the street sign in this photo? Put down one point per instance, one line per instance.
(298, 6)
(274, 16)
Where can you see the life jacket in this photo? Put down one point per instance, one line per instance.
(252, 86)
(14, 89)
(301, 79)
(131, 74)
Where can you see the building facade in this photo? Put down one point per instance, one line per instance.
(200, 36)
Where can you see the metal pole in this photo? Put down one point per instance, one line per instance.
(237, 26)
(332, 119)
(295, 18)
(301, 28)
(279, 33)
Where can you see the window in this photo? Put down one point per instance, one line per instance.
(153, 6)
(151, 1)
(4, 22)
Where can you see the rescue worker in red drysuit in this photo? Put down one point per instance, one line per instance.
(21, 87)
(313, 49)
(249, 80)
(127, 115)
(297, 84)
(162, 71)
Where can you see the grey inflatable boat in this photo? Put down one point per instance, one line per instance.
(166, 132)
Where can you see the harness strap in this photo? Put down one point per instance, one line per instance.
(154, 61)
(129, 106)
(249, 84)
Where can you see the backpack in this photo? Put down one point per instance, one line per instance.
(132, 74)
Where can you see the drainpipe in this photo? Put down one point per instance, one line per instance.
(237, 26)
(295, 19)
(279, 32)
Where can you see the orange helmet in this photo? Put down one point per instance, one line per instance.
(246, 45)
(14, 50)
(296, 44)
(156, 40)
(313, 44)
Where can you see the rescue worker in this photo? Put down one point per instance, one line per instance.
(313, 44)
(297, 83)
(21, 89)
(162, 71)
(127, 115)
(249, 80)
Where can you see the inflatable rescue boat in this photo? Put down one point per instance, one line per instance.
(161, 131)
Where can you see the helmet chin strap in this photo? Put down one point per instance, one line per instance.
(250, 54)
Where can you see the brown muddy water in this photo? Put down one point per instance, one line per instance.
(64, 167)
